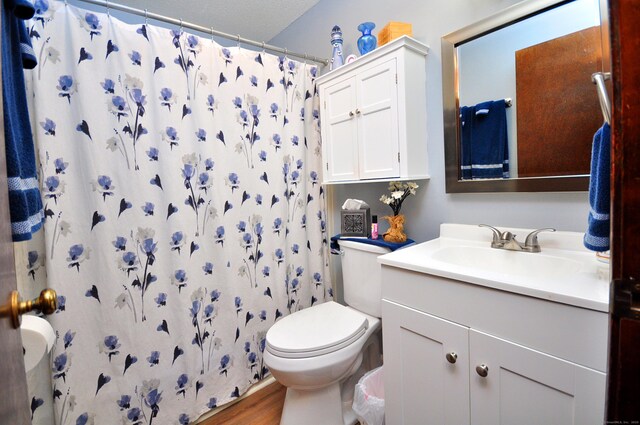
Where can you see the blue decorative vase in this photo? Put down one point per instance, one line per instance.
(366, 42)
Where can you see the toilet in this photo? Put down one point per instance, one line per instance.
(321, 352)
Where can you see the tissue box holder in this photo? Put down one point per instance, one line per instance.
(356, 223)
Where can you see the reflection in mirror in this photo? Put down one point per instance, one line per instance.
(520, 107)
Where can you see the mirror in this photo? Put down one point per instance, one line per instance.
(517, 89)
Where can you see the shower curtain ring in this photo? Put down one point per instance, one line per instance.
(146, 17)
(263, 50)
(180, 24)
(212, 34)
(238, 40)
(285, 52)
(108, 9)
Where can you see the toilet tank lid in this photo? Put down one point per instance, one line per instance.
(316, 328)
(361, 246)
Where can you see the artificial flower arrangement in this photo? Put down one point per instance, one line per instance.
(399, 192)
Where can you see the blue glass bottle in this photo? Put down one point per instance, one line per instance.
(366, 42)
(337, 60)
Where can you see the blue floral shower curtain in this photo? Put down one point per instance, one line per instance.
(184, 213)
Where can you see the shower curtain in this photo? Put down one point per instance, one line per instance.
(184, 213)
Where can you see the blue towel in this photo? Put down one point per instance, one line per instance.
(486, 154)
(25, 204)
(22, 9)
(466, 124)
(489, 148)
(335, 242)
(27, 54)
(597, 236)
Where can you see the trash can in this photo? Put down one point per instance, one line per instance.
(368, 399)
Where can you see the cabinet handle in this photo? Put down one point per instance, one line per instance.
(451, 357)
(357, 111)
(482, 370)
(351, 114)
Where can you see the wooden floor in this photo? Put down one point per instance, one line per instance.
(261, 408)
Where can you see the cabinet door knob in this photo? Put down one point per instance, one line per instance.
(357, 111)
(482, 370)
(451, 357)
(351, 114)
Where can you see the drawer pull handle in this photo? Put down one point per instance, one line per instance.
(351, 114)
(357, 111)
(482, 370)
(451, 357)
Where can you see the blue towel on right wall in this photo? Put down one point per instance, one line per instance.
(596, 237)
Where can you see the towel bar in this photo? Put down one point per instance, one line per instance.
(598, 79)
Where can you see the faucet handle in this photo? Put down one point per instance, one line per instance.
(497, 236)
(532, 239)
(507, 236)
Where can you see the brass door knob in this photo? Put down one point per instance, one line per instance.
(46, 303)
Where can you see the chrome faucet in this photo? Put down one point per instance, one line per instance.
(507, 240)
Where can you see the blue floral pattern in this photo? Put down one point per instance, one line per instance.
(184, 214)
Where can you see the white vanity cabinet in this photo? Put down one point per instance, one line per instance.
(424, 387)
(459, 353)
(373, 115)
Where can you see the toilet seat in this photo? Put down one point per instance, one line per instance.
(315, 331)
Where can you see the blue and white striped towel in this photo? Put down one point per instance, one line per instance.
(25, 204)
(597, 236)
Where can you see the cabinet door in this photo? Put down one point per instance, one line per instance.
(421, 385)
(524, 386)
(377, 117)
(339, 131)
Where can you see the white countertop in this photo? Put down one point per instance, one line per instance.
(584, 282)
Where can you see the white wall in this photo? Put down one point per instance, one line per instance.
(431, 19)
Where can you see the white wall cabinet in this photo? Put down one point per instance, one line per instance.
(441, 335)
(373, 115)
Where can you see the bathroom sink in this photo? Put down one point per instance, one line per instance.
(564, 271)
(508, 262)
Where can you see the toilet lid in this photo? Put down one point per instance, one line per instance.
(317, 330)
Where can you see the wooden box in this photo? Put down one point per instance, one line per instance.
(393, 30)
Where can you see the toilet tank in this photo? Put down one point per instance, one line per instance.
(361, 276)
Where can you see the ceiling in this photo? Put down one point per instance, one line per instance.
(259, 20)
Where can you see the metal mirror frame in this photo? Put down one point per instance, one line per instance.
(450, 95)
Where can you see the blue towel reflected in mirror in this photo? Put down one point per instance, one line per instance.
(484, 150)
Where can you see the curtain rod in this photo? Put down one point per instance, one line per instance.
(178, 22)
